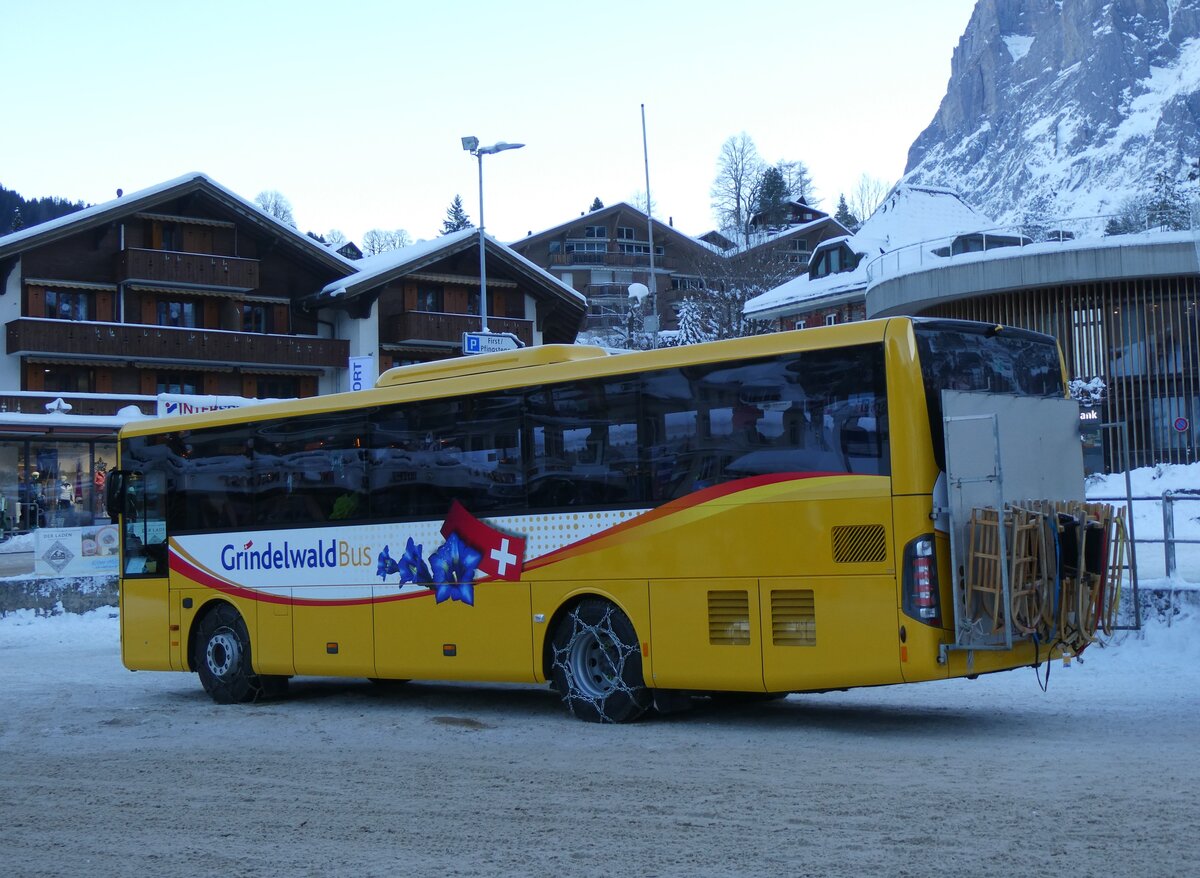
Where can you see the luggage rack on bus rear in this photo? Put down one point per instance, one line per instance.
(1048, 569)
(1019, 528)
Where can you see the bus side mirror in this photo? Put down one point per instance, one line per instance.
(114, 494)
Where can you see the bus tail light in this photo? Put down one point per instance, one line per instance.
(920, 600)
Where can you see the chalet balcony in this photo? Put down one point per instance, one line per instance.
(187, 269)
(615, 260)
(416, 327)
(124, 341)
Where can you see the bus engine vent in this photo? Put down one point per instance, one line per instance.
(728, 618)
(858, 543)
(793, 617)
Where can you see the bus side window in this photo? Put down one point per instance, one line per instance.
(146, 524)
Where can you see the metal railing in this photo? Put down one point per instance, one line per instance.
(938, 251)
(1168, 540)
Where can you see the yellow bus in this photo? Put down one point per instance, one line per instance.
(763, 515)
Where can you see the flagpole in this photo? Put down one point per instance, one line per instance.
(650, 233)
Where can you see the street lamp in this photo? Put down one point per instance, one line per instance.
(471, 145)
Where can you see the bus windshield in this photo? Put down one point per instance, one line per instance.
(976, 357)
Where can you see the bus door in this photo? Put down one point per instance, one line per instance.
(146, 639)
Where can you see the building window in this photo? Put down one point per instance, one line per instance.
(165, 235)
(431, 297)
(255, 318)
(831, 261)
(179, 382)
(68, 379)
(67, 305)
(180, 313)
(555, 247)
(687, 283)
(276, 387)
(626, 233)
(586, 247)
(638, 249)
(830, 319)
(595, 232)
(800, 324)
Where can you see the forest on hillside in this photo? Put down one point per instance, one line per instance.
(18, 213)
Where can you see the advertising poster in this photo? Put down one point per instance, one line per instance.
(76, 551)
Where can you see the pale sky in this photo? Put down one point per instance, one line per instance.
(355, 110)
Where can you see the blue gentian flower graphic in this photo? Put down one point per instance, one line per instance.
(412, 567)
(387, 564)
(454, 566)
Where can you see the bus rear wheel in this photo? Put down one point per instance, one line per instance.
(597, 664)
(221, 656)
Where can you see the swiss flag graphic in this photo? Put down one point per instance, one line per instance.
(503, 554)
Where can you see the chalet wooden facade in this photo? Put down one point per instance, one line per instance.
(413, 305)
(601, 253)
(182, 288)
(187, 289)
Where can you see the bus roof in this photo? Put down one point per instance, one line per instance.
(462, 376)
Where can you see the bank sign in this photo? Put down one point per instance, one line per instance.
(361, 373)
(172, 404)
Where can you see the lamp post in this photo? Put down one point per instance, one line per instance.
(471, 144)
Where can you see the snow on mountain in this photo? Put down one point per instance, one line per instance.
(1066, 109)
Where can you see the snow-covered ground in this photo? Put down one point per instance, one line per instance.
(103, 772)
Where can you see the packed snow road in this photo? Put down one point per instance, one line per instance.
(104, 772)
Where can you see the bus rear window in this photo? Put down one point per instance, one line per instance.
(976, 358)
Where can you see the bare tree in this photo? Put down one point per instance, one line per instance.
(798, 181)
(335, 238)
(638, 200)
(277, 205)
(867, 196)
(378, 241)
(735, 190)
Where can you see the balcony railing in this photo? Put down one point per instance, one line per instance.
(29, 402)
(189, 269)
(447, 329)
(618, 260)
(123, 341)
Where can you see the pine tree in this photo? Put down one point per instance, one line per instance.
(456, 217)
(693, 327)
(1168, 209)
(844, 216)
(17, 222)
(772, 198)
(597, 204)
(1033, 223)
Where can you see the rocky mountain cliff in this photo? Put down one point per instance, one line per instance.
(1066, 108)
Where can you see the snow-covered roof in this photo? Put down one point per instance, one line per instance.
(771, 236)
(143, 198)
(382, 267)
(910, 214)
(907, 216)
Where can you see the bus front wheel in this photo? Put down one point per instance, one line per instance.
(221, 657)
(597, 664)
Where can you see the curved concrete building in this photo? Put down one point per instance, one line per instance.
(1123, 308)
